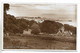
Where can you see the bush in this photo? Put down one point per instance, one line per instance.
(35, 28)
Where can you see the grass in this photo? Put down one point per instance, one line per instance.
(39, 42)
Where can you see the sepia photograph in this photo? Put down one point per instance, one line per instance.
(40, 26)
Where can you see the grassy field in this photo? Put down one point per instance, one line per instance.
(40, 42)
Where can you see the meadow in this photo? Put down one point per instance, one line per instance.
(40, 42)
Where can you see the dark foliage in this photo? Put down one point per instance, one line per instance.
(70, 28)
(6, 6)
(13, 25)
(50, 26)
(35, 28)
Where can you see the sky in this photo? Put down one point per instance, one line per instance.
(49, 11)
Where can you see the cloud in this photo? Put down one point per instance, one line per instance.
(47, 10)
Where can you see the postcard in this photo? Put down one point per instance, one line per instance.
(40, 26)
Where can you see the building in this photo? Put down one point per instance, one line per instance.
(62, 32)
(28, 32)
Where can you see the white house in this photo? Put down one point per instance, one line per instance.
(28, 32)
(62, 32)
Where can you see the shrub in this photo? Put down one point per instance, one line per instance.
(35, 28)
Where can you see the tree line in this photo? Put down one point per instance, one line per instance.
(13, 25)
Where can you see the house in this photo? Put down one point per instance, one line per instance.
(64, 33)
(68, 33)
(28, 32)
(59, 33)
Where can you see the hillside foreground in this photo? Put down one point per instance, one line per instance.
(40, 42)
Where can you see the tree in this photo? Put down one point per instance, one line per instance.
(50, 26)
(35, 28)
(6, 6)
(70, 28)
